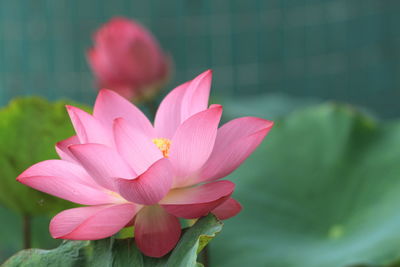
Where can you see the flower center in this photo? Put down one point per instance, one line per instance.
(163, 144)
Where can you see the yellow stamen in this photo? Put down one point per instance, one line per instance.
(163, 144)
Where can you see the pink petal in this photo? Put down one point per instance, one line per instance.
(168, 116)
(102, 163)
(65, 180)
(91, 223)
(60, 168)
(196, 96)
(150, 187)
(62, 148)
(138, 150)
(193, 142)
(227, 209)
(181, 103)
(194, 202)
(156, 231)
(235, 141)
(194, 211)
(87, 128)
(199, 194)
(109, 106)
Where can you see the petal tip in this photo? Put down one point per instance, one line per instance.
(75, 148)
(104, 94)
(72, 148)
(19, 179)
(23, 177)
(268, 126)
(69, 107)
(52, 230)
(118, 121)
(263, 123)
(208, 72)
(204, 75)
(228, 209)
(104, 91)
(216, 106)
(216, 109)
(269, 123)
(73, 111)
(229, 187)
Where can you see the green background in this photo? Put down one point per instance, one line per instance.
(346, 50)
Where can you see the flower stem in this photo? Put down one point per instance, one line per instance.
(205, 256)
(26, 225)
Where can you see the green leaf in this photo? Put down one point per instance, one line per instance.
(322, 190)
(193, 241)
(68, 254)
(29, 129)
(113, 252)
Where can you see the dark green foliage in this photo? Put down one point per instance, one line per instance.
(113, 252)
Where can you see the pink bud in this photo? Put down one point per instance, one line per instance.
(127, 58)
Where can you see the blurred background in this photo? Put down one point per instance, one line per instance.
(345, 50)
(314, 50)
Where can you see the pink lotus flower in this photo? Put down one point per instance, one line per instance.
(128, 172)
(127, 59)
